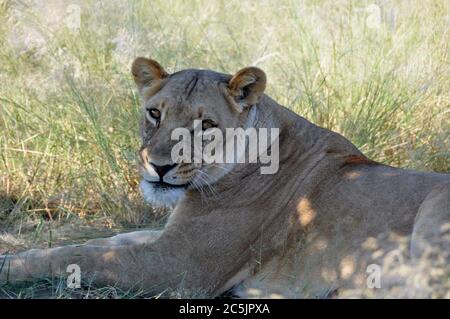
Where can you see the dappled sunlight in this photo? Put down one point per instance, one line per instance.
(109, 256)
(347, 266)
(320, 244)
(401, 276)
(305, 212)
(254, 293)
(370, 243)
(352, 174)
(445, 227)
(330, 273)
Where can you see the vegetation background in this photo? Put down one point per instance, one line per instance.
(376, 71)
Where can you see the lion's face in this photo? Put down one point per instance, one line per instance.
(175, 101)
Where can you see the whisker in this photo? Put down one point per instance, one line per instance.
(204, 176)
(200, 189)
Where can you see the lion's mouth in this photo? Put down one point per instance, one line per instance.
(164, 185)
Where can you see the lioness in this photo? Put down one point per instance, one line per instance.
(322, 226)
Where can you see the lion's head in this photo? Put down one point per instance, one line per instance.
(169, 101)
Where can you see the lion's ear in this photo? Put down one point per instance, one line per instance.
(247, 86)
(146, 72)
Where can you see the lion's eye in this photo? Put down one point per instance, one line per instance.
(207, 124)
(155, 113)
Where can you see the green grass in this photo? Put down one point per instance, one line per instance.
(69, 111)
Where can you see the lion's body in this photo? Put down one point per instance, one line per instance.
(310, 230)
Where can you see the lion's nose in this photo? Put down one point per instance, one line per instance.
(162, 170)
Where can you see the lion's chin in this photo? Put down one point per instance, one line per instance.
(161, 197)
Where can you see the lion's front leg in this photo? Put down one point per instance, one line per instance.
(164, 264)
(98, 264)
(186, 257)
